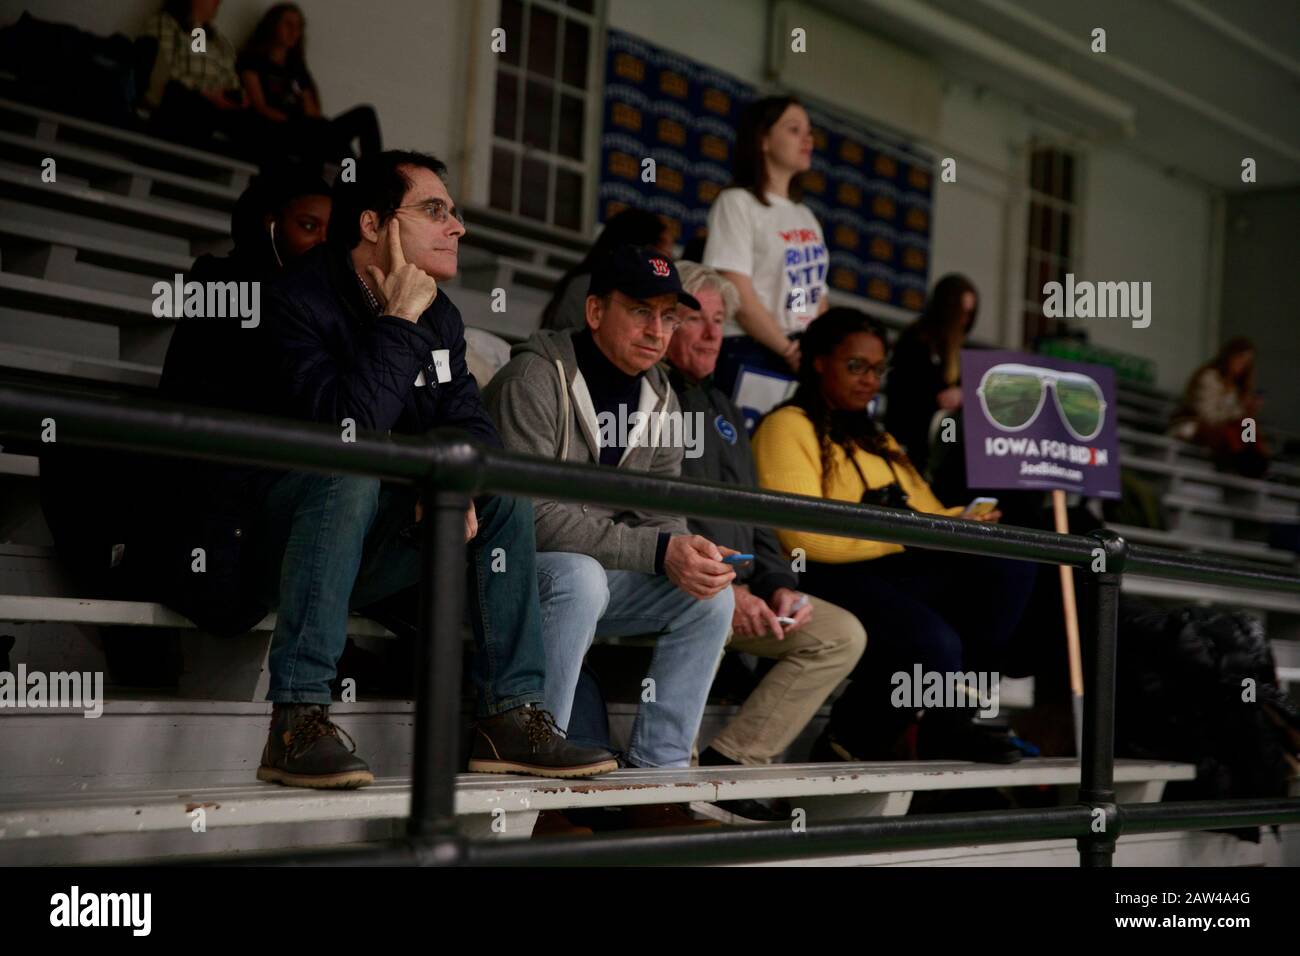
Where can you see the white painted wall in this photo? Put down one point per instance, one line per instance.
(729, 35)
(1139, 223)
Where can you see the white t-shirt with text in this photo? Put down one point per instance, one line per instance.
(779, 246)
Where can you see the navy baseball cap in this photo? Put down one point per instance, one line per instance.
(639, 272)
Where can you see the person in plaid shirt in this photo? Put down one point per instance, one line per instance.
(194, 93)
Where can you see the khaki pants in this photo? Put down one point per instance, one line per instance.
(810, 663)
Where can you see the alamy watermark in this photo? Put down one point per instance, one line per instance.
(208, 300)
(930, 690)
(652, 429)
(75, 690)
(1098, 300)
(77, 909)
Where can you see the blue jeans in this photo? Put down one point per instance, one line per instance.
(337, 542)
(580, 599)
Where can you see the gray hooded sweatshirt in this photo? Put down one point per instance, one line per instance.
(542, 407)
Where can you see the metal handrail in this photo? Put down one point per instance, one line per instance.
(452, 468)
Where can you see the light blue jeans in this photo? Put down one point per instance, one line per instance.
(580, 600)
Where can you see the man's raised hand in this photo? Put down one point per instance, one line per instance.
(406, 290)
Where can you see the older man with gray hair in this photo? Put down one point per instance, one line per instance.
(815, 643)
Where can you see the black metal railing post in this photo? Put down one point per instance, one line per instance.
(450, 469)
(437, 708)
(1097, 762)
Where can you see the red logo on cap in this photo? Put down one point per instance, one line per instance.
(660, 267)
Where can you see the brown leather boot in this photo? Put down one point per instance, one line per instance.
(305, 749)
(526, 740)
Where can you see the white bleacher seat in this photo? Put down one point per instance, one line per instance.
(172, 218)
(28, 609)
(115, 174)
(46, 124)
(50, 824)
(63, 365)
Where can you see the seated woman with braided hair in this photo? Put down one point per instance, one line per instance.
(949, 613)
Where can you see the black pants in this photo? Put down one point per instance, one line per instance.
(947, 612)
(185, 116)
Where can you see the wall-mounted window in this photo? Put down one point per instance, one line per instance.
(544, 98)
(1052, 242)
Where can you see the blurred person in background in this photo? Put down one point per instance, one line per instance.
(1218, 398)
(631, 227)
(943, 612)
(283, 100)
(925, 381)
(767, 243)
(194, 93)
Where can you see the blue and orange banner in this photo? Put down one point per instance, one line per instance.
(872, 194)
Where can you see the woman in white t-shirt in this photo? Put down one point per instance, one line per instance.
(768, 243)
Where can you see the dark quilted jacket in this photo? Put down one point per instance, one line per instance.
(337, 360)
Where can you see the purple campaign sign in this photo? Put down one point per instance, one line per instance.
(1035, 422)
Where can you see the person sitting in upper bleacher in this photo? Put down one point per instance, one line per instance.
(571, 395)
(567, 308)
(938, 611)
(194, 88)
(285, 105)
(363, 337)
(819, 649)
(1219, 397)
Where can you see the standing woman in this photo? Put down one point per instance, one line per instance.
(938, 611)
(767, 243)
(926, 377)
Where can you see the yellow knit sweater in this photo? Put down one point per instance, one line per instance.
(789, 459)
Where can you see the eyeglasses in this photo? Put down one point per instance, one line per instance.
(435, 209)
(1013, 395)
(857, 366)
(645, 316)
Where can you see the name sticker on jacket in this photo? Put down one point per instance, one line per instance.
(441, 367)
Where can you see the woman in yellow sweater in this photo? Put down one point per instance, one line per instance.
(948, 613)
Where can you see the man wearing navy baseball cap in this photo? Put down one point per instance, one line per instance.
(569, 395)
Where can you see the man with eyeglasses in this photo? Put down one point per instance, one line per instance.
(365, 339)
(619, 572)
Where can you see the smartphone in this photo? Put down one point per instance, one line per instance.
(737, 559)
(980, 507)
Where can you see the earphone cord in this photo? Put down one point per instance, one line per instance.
(274, 250)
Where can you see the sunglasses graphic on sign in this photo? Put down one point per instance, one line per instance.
(1013, 395)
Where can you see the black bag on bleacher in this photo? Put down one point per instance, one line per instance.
(74, 71)
(123, 530)
(1199, 685)
(92, 502)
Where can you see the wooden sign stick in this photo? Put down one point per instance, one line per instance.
(1071, 624)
